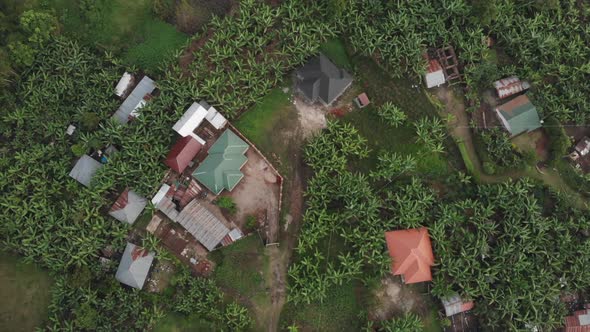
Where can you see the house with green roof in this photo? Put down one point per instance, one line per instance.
(222, 167)
(519, 116)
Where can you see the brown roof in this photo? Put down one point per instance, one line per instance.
(182, 153)
(412, 255)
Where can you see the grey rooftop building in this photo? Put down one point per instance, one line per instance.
(320, 79)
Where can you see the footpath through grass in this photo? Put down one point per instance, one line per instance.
(24, 294)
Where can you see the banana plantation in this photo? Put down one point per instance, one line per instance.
(513, 247)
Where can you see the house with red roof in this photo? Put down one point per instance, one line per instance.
(411, 252)
(182, 153)
(435, 76)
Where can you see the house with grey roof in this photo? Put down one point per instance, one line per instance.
(85, 169)
(134, 266)
(136, 100)
(519, 116)
(320, 80)
(128, 207)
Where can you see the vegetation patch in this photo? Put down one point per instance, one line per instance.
(25, 294)
(336, 50)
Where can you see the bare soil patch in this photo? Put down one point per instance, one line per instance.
(393, 298)
(257, 194)
(312, 117)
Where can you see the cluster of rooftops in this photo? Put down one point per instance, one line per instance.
(219, 170)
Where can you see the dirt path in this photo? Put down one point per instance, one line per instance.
(460, 129)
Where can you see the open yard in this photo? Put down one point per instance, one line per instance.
(24, 293)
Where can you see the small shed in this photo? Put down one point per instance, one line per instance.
(202, 224)
(435, 76)
(134, 266)
(136, 100)
(411, 254)
(190, 120)
(160, 194)
(70, 130)
(519, 116)
(362, 100)
(123, 85)
(128, 207)
(455, 305)
(182, 153)
(215, 118)
(85, 169)
(509, 86)
(579, 321)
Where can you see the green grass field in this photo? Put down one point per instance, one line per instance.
(241, 267)
(125, 28)
(337, 313)
(381, 88)
(24, 293)
(179, 323)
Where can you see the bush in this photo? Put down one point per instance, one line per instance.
(251, 223)
(164, 9)
(227, 203)
(391, 114)
(89, 121)
(559, 142)
(79, 149)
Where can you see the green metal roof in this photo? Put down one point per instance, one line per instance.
(221, 169)
(521, 115)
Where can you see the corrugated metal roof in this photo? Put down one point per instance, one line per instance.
(215, 118)
(160, 194)
(454, 305)
(182, 153)
(128, 207)
(320, 79)
(85, 169)
(202, 224)
(520, 114)
(134, 266)
(144, 87)
(583, 146)
(509, 86)
(123, 84)
(221, 169)
(190, 120)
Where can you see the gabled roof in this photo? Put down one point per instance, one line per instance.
(320, 78)
(85, 169)
(135, 99)
(411, 253)
(135, 265)
(520, 114)
(579, 321)
(509, 86)
(160, 194)
(181, 154)
(128, 207)
(221, 169)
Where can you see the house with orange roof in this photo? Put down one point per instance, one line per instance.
(411, 252)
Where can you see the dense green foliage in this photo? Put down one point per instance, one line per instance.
(252, 50)
(500, 150)
(545, 44)
(477, 232)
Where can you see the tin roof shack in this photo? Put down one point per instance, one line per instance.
(222, 167)
(128, 207)
(320, 80)
(579, 321)
(509, 86)
(135, 266)
(518, 116)
(124, 83)
(129, 109)
(411, 253)
(455, 305)
(190, 120)
(435, 76)
(85, 169)
(580, 156)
